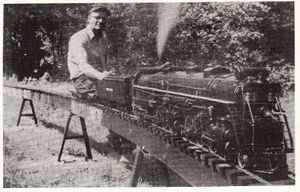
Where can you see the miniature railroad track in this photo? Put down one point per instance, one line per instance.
(191, 161)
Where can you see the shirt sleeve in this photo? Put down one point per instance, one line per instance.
(78, 55)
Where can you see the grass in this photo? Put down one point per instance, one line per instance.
(11, 173)
(30, 154)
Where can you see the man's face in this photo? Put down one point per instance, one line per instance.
(97, 20)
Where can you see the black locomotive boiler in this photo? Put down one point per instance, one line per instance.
(236, 115)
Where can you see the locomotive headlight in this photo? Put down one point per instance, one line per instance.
(266, 112)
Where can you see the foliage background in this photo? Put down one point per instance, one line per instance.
(231, 34)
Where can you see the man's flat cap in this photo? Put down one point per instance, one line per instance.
(100, 9)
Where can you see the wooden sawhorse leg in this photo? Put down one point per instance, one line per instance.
(166, 174)
(84, 136)
(137, 165)
(27, 114)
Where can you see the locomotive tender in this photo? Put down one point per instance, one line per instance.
(235, 114)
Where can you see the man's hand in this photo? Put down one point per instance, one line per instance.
(107, 73)
(104, 74)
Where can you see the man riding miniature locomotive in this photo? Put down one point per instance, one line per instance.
(87, 57)
(87, 54)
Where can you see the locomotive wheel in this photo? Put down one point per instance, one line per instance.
(243, 161)
(190, 126)
(162, 119)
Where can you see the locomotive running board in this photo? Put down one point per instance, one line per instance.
(184, 94)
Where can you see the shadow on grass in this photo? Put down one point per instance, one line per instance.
(102, 148)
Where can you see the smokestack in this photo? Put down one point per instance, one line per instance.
(168, 17)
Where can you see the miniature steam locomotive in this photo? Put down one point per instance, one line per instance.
(236, 115)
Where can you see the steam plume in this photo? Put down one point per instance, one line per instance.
(167, 19)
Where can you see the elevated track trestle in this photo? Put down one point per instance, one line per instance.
(194, 164)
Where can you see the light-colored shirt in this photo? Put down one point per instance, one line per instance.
(87, 53)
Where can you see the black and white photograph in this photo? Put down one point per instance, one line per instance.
(148, 94)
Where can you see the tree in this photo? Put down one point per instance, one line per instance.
(37, 36)
(237, 34)
(229, 34)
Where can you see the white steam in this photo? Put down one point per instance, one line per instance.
(168, 17)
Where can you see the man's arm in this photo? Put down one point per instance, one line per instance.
(78, 55)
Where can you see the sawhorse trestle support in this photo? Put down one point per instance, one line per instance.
(84, 136)
(21, 114)
(137, 166)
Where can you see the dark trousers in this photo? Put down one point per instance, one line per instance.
(85, 85)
